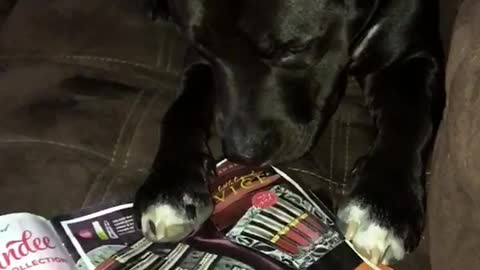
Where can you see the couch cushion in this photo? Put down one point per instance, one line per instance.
(66, 139)
(454, 200)
(83, 86)
(105, 34)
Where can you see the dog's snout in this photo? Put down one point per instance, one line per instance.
(250, 145)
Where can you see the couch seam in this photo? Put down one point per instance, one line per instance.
(160, 49)
(132, 139)
(168, 65)
(70, 60)
(347, 153)
(332, 153)
(142, 118)
(116, 146)
(62, 145)
(90, 58)
(109, 60)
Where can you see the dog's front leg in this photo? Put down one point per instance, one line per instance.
(384, 214)
(174, 200)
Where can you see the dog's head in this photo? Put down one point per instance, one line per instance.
(278, 65)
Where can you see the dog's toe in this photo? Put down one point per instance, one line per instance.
(168, 209)
(165, 222)
(377, 243)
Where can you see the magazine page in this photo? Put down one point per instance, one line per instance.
(105, 238)
(269, 214)
(29, 242)
(93, 235)
(265, 216)
(262, 219)
(148, 256)
(276, 219)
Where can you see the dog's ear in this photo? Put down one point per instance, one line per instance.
(156, 9)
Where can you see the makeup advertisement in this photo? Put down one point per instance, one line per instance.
(262, 219)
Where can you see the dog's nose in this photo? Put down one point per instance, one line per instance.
(254, 146)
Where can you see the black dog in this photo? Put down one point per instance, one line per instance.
(268, 75)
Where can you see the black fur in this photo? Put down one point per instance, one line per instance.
(269, 74)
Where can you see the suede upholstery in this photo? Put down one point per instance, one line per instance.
(83, 87)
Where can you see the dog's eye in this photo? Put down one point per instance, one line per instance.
(300, 45)
(299, 48)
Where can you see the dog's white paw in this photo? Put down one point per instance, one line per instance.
(374, 241)
(166, 223)
(172, 203)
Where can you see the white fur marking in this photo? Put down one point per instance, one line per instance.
(187, 199)
(366, 40)
(370, 235)
(170, 225)
(353, 214)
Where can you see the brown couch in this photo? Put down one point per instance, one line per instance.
(84, 84)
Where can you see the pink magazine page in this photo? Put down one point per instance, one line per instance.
(29, 242)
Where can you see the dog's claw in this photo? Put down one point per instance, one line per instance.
(352, 229)
(168, 211)
(375, 256)
(166, 223)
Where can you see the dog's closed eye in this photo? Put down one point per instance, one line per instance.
(271, 50)
(300, 47)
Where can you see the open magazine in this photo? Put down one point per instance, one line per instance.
(262, 220)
